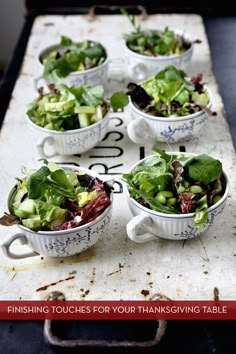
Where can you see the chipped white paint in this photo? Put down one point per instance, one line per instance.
(115, 268)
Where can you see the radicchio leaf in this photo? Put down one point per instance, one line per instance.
(178, 170)
(187, 203)
(9, 220)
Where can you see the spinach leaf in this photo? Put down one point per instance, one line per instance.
(203, 168)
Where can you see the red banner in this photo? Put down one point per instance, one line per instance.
(118, 310)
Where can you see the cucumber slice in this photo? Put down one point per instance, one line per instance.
(84, 120)
(99, 113)
(26, 209)
(93, 119)
(85, 109)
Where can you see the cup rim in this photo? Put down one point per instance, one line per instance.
(175, 216)
(75, 229)
(164, 57)
(172, 118)
(71, 131)
(74, 73)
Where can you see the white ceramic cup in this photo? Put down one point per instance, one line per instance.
(148, 225)
(140, 67)
(145, 127)
(61, 243)
(70, 142)
(92, 77)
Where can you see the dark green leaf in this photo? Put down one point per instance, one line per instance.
(66, 41)
(97, 51)
(203, 168)
(62, 183)
(36, 182)
(119, 100)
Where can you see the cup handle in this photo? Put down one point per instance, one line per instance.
(116, 69)
(139, 131)
(140, 222)
(139, 72)
(40, 147)
(7, 244)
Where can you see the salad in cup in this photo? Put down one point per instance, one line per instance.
(54, 198)
(175, 195)
(64, 107)
(81, 62)
(168, 106)
(71, 119)
(154, 42)
(60, 211)
(170, 93)
(151, 50)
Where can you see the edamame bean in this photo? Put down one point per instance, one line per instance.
(166, 194)
(161, 199)
(171, 201)
(216, 198)
(195, 189)
(180, 189)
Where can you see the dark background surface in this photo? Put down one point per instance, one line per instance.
(184, 337)
(160, 6)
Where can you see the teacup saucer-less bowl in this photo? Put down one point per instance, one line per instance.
(140, 66)
(147, 224)
(62, 243)
(92, 76)
(69, 142)
(146, 127)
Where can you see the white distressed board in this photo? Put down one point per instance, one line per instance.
(115, 268)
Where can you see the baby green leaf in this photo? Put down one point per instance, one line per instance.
(119, 100)
(203, 168)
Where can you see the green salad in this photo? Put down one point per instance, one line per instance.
(154, 42)
(177, 184)
(53, 198)
(170, 93)
(67, 108)
(69, 56)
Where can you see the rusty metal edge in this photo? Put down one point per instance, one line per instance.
(53, 340)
